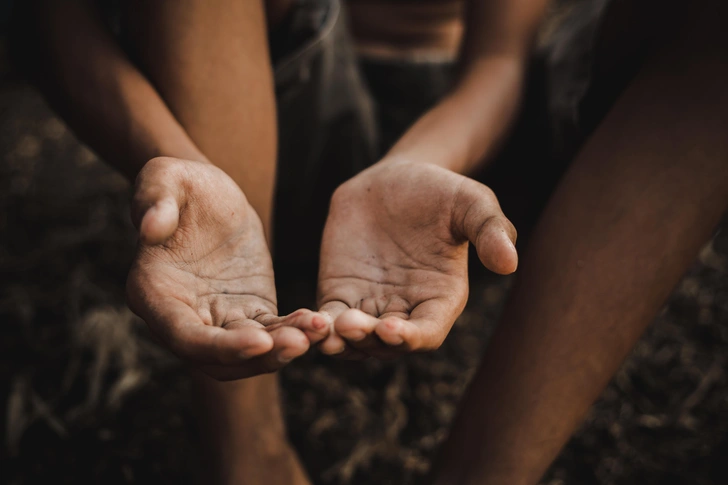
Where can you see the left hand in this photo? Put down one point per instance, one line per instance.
(394, 256)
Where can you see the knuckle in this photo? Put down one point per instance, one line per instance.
(349, 190)
(487, 192)
(479, 190)
(340, 194)
(162, 163)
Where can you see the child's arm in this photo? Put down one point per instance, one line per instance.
(190, 215)
(460, 131)
(399, 285)
(66, 51)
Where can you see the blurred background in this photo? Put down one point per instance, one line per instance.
(87, 397)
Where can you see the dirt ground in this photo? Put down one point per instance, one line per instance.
(87, 397)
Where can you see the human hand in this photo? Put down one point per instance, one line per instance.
(203, 277)
(393, 275)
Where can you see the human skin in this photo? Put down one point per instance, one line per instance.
(628, 218)
(174, 110)
(202, 278)
(624, 224)
(399, 285)
(460, 149)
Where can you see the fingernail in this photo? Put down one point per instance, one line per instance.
(319, 323)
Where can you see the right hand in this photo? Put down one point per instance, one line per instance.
(393, 275)
(202, 278)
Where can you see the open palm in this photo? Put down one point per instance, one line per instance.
(393, 275)
(203, 277)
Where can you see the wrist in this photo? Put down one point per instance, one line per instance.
(180, 149)
(169, 141)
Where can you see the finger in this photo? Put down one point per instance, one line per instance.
(315, 325)
(230, 345)
(289, 343)
(426, 329)
(333, 344)
(157, 201)
(357, 329)
(183, 332)
(383, 345)
(159, 222)
(333, 309)
(479, 218)
(387, 328)
(495, 246)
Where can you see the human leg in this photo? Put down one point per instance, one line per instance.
(625, 222)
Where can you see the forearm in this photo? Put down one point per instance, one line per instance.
(206, 93)
(463, 130)
(86, 77)
(210, 62)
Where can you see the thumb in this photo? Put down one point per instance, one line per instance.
(155, 206)
(483, 224)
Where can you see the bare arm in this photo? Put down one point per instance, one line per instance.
(203, 277)
(443, 212)
(200, 97)
(72, 58)
(210, 62)
(464, 127)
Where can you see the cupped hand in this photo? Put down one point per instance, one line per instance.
(203, 277)
(394, 256)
